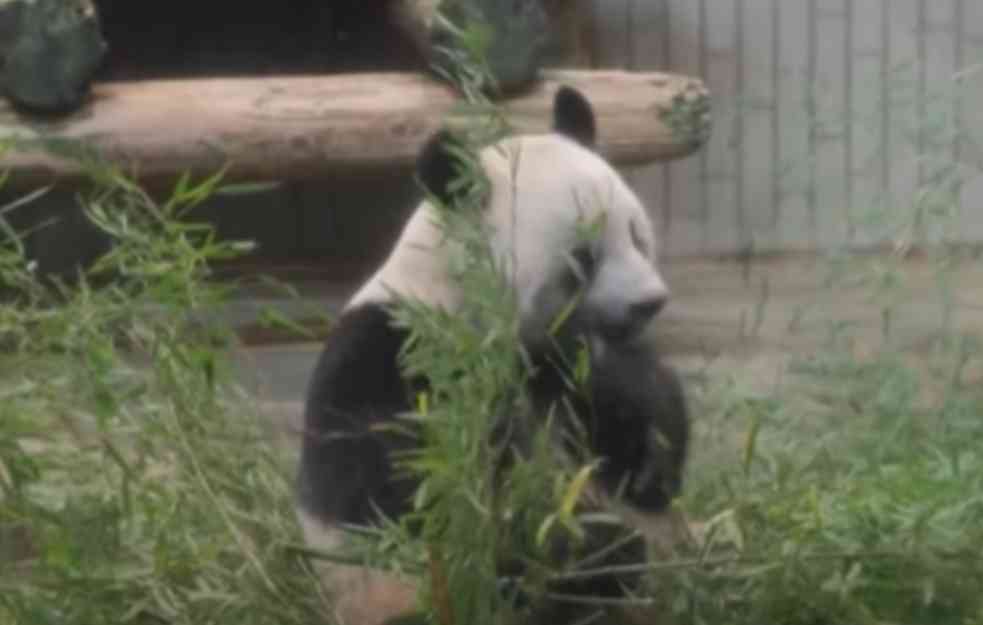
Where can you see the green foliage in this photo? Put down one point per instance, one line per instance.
(689, 117)
(859, 502)
(137, 483)
(513, 35)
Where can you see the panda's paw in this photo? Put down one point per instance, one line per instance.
(657, 479)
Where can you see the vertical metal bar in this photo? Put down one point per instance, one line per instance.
(740, 96)
(588, 5)
(959, 54)
(776, 114)
(958, 26)
(922, 37)
(667, 169)
(704, 161)
(812, 46)
(630, 56)
(848, 120)
(886, 101)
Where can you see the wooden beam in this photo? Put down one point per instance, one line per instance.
(306, 127)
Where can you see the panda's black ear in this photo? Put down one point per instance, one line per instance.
(437, 166)
(574, 117)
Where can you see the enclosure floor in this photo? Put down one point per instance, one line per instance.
(724, 320)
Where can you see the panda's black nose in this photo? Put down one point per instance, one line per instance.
(624, 322)
(645, 310)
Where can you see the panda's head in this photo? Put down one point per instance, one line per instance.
(563, 223)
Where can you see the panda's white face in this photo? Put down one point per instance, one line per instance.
(548, 193)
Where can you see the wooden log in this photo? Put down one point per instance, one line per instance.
(306, 127)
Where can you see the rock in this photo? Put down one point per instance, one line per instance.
(10, 13)
(56, 47)
(516, 33)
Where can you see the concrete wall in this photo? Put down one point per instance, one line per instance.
(818, 107)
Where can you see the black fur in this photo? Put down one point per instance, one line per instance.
(634, 414)
(640, 427)
(345, 466)
(574, 117)
(437, 166)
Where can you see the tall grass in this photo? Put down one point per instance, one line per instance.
(137, 483)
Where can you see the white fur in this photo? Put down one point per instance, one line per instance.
(542, 186)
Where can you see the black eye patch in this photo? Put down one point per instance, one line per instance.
(636, 237)
(583, 263)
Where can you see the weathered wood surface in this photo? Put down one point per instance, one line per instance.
(304, 127)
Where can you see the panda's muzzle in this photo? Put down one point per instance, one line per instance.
(623, 297)
(617, 322)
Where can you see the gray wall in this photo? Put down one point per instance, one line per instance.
(869, 73)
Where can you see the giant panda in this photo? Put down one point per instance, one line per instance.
(636, 421)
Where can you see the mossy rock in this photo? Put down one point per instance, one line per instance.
(514, 36)
(54, 49)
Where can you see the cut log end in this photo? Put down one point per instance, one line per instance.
(316, 127)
